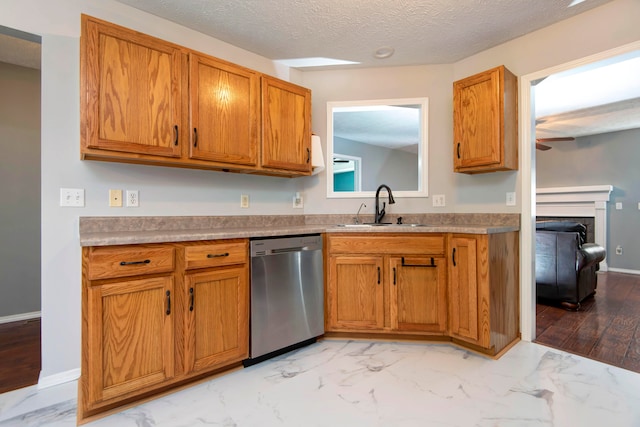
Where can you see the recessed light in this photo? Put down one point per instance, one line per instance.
(575, 2)
(384, 52)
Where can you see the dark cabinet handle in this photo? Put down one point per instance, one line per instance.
(432, 265)
(394, 276)
(378, 275)
(308, 155)
(453, 256)
(458, 150)
(195, 137)
(168, 303)
(218, 255)
(146, 261)
(191, 299)
(175, 129)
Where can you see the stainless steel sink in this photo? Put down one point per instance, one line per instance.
(367, 225)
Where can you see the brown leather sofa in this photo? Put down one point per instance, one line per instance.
(565, 265)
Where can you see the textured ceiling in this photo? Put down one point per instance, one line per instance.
(420, 31)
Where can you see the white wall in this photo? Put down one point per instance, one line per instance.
(19, 190)
(166, 191)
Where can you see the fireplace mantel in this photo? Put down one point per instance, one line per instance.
(585, 201)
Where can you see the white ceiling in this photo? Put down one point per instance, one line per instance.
(420, 31)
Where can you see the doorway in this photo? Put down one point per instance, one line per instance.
(20, 237)
(528, 182)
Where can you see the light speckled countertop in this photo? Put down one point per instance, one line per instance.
(104, 231)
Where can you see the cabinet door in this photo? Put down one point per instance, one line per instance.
(225, 111)
(418, 294)
(477, 120)
(130, 337)
(131, 91)
(286, 121)
(217, 323)
(355, 293)
(464, 303)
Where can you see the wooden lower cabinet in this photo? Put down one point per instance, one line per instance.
(402, 291)
(217, 322)
(157, 315)
(129, 343)
(356, 293)
(484, 308)
(418, 294)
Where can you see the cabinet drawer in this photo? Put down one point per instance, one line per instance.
(388, 244)
(215, 254)
(121, 261)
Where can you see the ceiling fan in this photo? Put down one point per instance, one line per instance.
(542, 147)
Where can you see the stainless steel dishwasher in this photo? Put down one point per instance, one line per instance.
(287, 294)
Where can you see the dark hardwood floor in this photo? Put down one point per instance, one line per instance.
(19, 354)
(606, 328)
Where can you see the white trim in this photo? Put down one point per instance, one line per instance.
(528, 181)
(19, 317)
(59, 378)
(624, 270)
(586, 201)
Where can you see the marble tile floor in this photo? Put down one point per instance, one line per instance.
(361, 383)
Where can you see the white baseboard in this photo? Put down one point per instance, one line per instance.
(19, 317)
(624, 270)
(59, 378)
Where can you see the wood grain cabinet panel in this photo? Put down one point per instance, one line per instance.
(484, 309)
(129, 338)
(356, 293)
(286, 119)
(368, 292)
(418, 294)
(225, 109)
(485, 122)
(131, 91)
(145, 100)
(218, 318)
(171, 312)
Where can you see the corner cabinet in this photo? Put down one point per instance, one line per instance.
(157, 316)
(485, 122)
(145, 100)
(483, 290)
(386, 284)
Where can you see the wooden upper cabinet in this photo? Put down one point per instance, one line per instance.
(225, 111)
(485, 122)
(286, 121)
(131, 91)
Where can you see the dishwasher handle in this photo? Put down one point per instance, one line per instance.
(285, 250)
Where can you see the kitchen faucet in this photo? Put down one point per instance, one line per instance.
(380, 213)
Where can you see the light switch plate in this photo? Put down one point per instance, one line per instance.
(244, 201)
(511, 198)
(438, 200)
(619, 206)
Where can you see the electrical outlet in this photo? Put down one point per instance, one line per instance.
(115, 198)
(511, 198)
(619, 250)
(298, 202)
(244, 201)
(438, 200)
(72, 197)
(133, 198)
